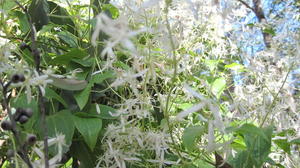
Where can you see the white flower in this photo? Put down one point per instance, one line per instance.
(117, 30)
(194, 108)
(59, 141)
(36, 80)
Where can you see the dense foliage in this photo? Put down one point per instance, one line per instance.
(156, 83)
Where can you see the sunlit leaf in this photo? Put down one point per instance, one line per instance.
(89, 128)
(190, 135)
(218, 86)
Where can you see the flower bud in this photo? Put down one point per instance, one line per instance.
(17, 78)
(10, 153)
(31, 139)
(28, 112)
(23, 119)
(6, 125)
(23, 46)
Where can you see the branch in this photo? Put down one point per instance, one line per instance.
(261, 17)
(37, 58)
(248, 6)
(21, 151)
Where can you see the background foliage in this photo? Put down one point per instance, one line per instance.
(153, 83)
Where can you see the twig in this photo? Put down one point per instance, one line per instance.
(275, 98)
(248, 6)
(21, 151)
(261, 17)
(37, 58)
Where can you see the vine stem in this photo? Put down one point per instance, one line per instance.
(21, 151)
(275, 98)
(37, 58)
(167, 115)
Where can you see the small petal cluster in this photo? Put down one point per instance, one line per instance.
(132, 145)
(58, 142)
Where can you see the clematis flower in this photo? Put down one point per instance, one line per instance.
(118, 32)
(35, 80)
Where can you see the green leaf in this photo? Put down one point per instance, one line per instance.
(84, 62)
(38, 11)
(295, 141)
(8, 5)
(61, 123)
(83, 96)
(258, 146)
(65, 20)
(68, 84)
(273, 163)
(211, 64)
(89, 128)
(112, 9)
(24, 25)
(242, 160)
(270, 31)
(251, 129)
(105, 111)
(235, 66)
(218, 86)
(99, 78)
(120, 64)
(74, 53)
(81, 151)
(258, 142)
(68, 38)
(190, 134)
(283, 144)
(51, 94)
(185, 106)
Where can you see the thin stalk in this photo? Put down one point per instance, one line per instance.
(37, 58)
(275, 98)
(15, 131)
(167, 115)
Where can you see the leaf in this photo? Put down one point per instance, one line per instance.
(270, 31)
(273, 163)
(8, 5)
(235, 66)
(251, 129)
(51, 94)
(242, 160)
(74, 53)
(66, 20)
(61, 123)
(83, 96)
(23, 21)
(114, 12)
(283, 144)
(68, 38)
(68, 84)
(105, 111)
(211, 64)
(81, 151)
(218, 86)
(295, 141)
(38, 11)
(99, 78)
(190, 134)
(89, 128)
(258, 142)
(84, 62)
(120, 64)
(258, 146)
